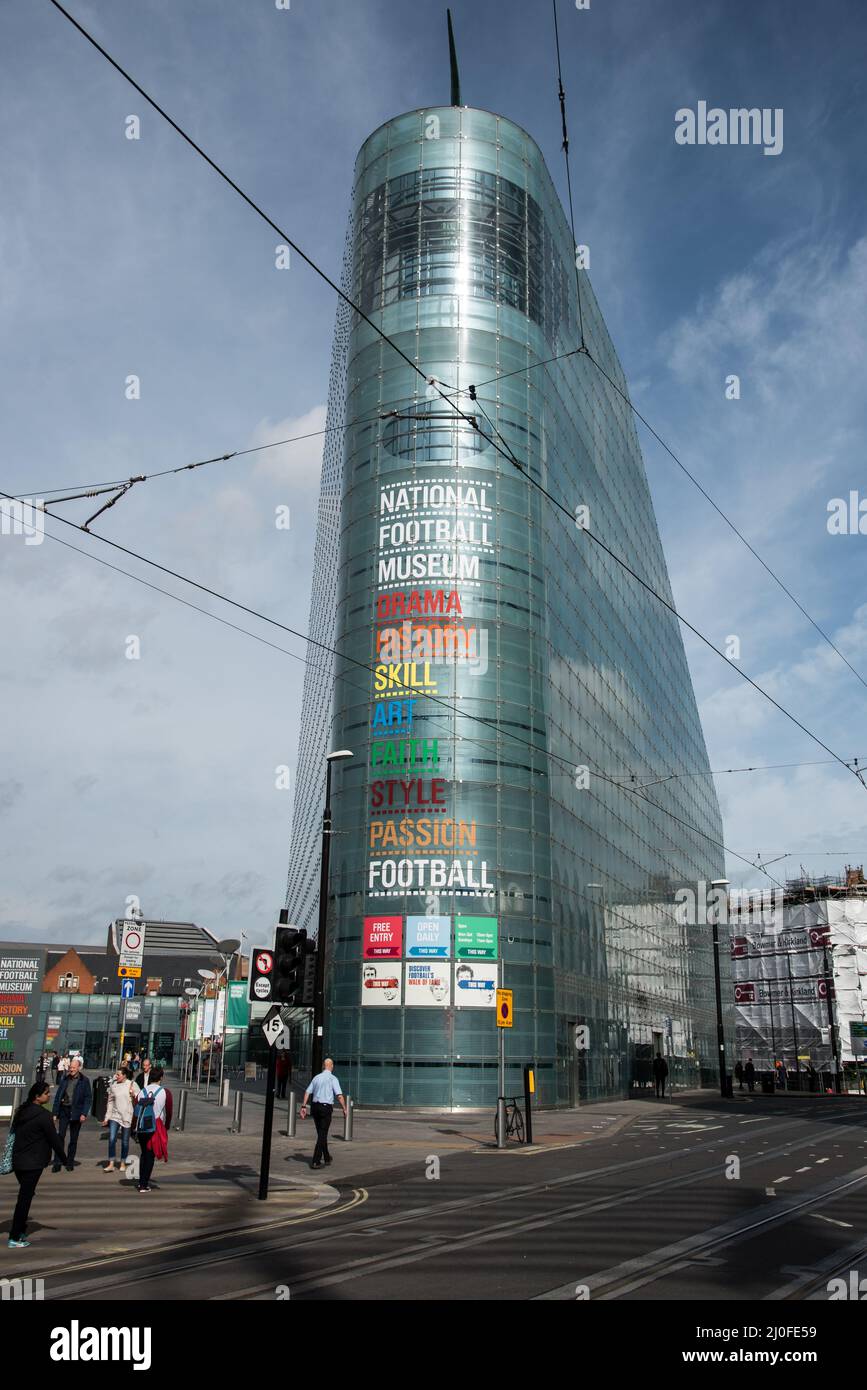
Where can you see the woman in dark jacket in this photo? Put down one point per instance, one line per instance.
(35, 1140)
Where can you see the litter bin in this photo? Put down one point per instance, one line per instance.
(100, 1097)
(729, 1083)
(768, 1083)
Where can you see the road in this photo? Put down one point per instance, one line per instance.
(757, 1199)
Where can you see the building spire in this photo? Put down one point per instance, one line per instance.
(453, 63)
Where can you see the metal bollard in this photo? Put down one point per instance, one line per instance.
(236, 1117)
(16, 1100)
(292, 1116)
(224, 1097)
(347, 1121)
(182, 1110)
(501, 1122)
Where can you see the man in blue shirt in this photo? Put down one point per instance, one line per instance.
(325, 1090)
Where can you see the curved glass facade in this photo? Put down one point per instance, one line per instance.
(501, 681)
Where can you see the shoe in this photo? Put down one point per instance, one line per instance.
(18, 1244)
(315, 1165)
(327, 1161)
(55, 1167)
(144, 1189)
(70, 1167)
(109, 1167)
(121, 1167)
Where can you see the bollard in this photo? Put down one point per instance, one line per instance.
(16, 1098)
(501, 1122)
(224, 1089)
(236, 1117)
(347, 1121)
(182, 1110)
(292, 1116)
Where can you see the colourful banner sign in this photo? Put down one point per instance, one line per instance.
(476, 985)
(381, 984)
(429, 936)
(21, 973)
(383, 938)
(428, 984)
(476, 938)
(239, 1009)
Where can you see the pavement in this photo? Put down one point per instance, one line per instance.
(210, 1184)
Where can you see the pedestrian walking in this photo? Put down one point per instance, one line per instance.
(72, 1102)
(325, 1090)
(739, 1075)
(284, 1072)
(55, 1058)
(34, 1141)
(122, 1095)
(750, 1074)
(63, 1065)
(150, 1127)
(660, 1072)
(144, 1075)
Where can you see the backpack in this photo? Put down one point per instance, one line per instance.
(144, 1120)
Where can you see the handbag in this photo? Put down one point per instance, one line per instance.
(6, 1160)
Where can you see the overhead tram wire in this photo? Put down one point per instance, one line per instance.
(496, 727)
(585, 351)
(260, 212)
(665, 603)
(413, 365)
(562, 99)
(638, 415)
(109, 483)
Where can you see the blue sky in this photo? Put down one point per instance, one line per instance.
(156, 777)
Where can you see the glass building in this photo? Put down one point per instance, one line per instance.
(507, 689)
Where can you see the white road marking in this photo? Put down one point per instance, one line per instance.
(783, 1179)
(818, 1217)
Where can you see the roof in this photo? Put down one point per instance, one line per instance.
(167, 938)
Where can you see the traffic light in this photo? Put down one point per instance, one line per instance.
(309, 987)
(289, 955)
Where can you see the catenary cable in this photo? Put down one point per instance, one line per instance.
(274, 622)
(415, 367)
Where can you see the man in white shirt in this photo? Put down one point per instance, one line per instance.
(325, 1090)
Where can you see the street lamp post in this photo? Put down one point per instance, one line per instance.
(829, 986)
(319, 984)
(227, 950)
(720, 1031)
(209, 976)
(192, 995)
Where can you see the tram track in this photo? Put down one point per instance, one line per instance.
(423, 1247)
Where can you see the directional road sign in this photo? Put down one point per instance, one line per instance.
(127, 989)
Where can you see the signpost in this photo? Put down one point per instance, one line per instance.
(261, 975)
(129, 967)
(132, 941)
(272, 1027)
(504, 1021)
